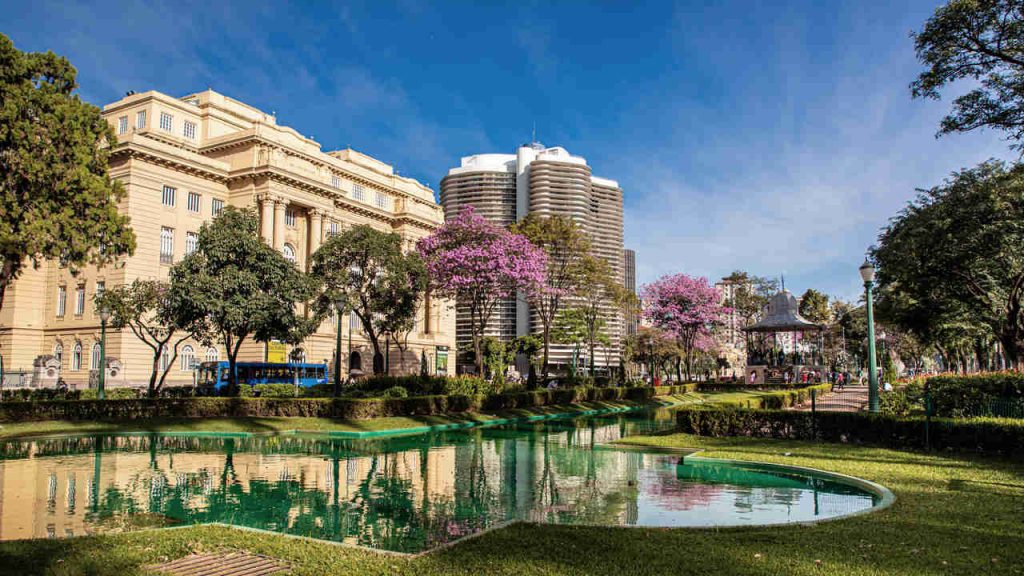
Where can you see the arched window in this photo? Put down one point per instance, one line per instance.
(94, 362)
(355, 361)
(165, 358)
(188, 358)
(76, 357)
(211, 354)
(58, 353)
(289, 253)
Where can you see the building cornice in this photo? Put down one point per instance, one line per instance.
(132, 149)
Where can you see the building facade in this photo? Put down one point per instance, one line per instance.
(630, 318)
(730, 335)
(182, 160)
(504, 188)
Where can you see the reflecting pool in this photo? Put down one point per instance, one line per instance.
(402, 493)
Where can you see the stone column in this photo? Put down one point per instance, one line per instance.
(316, 231)
(266, 218)
(280, 205)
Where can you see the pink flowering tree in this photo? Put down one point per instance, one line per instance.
(479, 264)
(688, 308)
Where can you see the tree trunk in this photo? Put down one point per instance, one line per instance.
(477, 327)
(1011, 351)
(375, 341)
(232, 350)
(156, 368)
(593, 367)
(547, 348)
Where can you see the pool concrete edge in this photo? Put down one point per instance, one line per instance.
(886, 495)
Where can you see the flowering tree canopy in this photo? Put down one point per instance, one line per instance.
(478, 264)
(686, 307)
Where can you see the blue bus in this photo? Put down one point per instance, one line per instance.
(215, 374)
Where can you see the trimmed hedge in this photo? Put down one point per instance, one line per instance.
(346, 408)
(966, 395)
(779, 399)
(985, 434)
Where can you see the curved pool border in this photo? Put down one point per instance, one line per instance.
(887, 498)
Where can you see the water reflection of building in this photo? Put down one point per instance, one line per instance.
(49, 488)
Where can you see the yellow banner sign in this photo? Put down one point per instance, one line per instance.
(277, 352)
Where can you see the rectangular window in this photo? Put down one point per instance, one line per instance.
(193, 202)
(62, 300)
(353, 322)
(101, 287)
(191, 242)
(122, 125)
(383, 201)
(140, 119)
(80, 300)
(358, 192)
(335, 181)
(190, 130)
(289, 217)
(332, 229)
(167, 198)
(166, 245)
(166, 122)
(216, 205)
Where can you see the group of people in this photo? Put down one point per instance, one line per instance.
(839, 379)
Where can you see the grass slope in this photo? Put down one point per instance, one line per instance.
(955, 514)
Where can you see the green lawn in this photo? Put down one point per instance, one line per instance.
(954, 514)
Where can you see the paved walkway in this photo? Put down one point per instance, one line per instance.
(849, 399)
(223, 564)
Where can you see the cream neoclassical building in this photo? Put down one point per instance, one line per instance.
(181, 161)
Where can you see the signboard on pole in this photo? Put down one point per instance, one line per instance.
(277, 352)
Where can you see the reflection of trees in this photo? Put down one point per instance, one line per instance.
(467, 480)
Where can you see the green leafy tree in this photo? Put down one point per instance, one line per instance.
(366, 271)
(566, 246)
(597, 296)
(750, 295)
(958, 251)
(145, 308)
(57, 200)
(570, 327)
(814, 306)
(234, 287)
(981, 41)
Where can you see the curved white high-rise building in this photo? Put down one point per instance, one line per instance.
(504, 188)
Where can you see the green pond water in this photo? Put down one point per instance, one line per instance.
(401, 493)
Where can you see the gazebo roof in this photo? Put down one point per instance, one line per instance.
(783, 315)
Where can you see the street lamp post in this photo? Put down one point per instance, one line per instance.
(867, 273)
(337, 350)
(101, 382)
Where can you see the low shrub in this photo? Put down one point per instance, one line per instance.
(45, 394)
(779, 399)
(991, 435)
(110, 393)
(266, 405)
(418, 385)
(987, 394)
(395, 392)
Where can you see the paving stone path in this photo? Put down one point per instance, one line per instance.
(223, 564)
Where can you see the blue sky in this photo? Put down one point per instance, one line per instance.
(767, 136)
